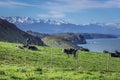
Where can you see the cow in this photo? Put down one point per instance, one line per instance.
(69, 51)
(116, 54)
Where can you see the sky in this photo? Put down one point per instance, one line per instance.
(74, 11)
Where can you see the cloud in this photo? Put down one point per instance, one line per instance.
(60, 8)
(77, 5)
(57, 14)
(113, 4)
(14, 4)
(52, 14)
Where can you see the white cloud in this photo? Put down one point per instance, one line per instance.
(57, 14)
(59, 8)
(76, 5)
(113, 4)
(52, 14)
(14, 4)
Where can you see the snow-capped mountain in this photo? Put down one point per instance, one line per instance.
(60, 26)
(28, 20)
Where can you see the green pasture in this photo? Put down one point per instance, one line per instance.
(50, 63)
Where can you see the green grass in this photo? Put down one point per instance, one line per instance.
(49, 63)
(57, 42)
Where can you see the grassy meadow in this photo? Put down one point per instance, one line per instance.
(50, 63)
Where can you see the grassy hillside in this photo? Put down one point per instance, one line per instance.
(57, 42)
(49, 63)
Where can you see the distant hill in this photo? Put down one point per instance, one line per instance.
(64, 40)
(10, 33)
(85, 35)
(98, 36)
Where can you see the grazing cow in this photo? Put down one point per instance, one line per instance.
(70, 51)
(116, 54)
(84, 49)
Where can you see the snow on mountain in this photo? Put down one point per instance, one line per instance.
(60, 26)
(17, 19)
(29, 20)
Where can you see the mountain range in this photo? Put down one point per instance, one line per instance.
(61, 26)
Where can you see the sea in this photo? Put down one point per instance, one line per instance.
(98, 45)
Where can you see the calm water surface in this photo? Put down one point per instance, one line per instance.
(98, 45)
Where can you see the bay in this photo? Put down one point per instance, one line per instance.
(98, 45)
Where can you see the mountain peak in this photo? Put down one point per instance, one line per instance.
(28, 20)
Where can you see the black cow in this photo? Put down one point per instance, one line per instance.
(69, 51)
(116, 54)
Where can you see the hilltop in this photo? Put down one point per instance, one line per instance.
(10, 33)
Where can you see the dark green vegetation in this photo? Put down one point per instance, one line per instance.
(49, 63)
(10, 33)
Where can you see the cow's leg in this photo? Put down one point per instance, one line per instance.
(74, 55)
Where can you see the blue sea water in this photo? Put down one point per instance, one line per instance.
(98, 45)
